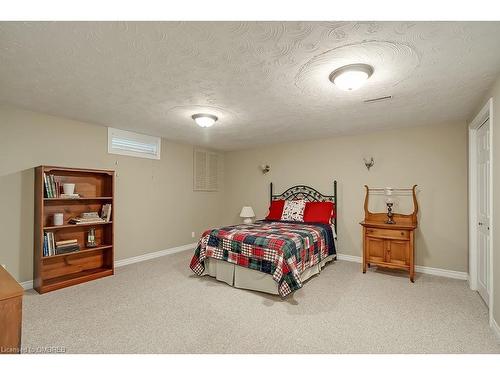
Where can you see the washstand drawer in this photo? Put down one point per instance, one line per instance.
(388, 233)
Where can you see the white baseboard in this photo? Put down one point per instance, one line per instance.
(27, 285)
(442, 272)
(350, 258)
(496, 328)
(156, 254)
(141, 258)
(422, 269)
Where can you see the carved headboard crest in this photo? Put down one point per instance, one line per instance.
(304, 192)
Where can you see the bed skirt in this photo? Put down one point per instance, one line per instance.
(246, 278)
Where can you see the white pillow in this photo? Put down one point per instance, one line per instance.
(293, 210)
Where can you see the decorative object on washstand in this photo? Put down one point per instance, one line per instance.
(389, 202)
(247, 214)
(91, 238)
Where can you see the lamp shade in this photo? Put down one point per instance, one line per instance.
(247, 211)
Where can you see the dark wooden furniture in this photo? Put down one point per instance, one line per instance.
(96, 188)
(11, 302)
(390, 245)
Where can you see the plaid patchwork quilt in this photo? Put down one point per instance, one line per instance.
(280, 248)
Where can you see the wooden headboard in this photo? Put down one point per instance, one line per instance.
(308, 194)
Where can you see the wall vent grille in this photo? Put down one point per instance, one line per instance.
(206, 167)
(382, 98)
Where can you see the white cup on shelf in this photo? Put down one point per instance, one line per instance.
(58, 219)
(69, 188)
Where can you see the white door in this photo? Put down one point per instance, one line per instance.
(483, 211)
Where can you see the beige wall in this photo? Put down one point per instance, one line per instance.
(434, 157)
(156, 207)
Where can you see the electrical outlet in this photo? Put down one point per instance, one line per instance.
(192, 234)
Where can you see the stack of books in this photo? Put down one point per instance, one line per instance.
(71, 196)
(49, 245)
(52, 187)
(87, 218)
(52, 247)
(67, 246)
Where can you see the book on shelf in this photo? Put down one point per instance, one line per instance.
(70, 196)
(45, 246)
(87, 218)
(67, 249)
(80, 220)
(46, 185)
(52, 186)
(66, 242)
(106, 212)
(49, 245)
(89, 215)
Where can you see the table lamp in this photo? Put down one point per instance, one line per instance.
(247, 214)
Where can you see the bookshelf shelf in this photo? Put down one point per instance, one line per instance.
(77, 199)
(65, 226)
(63, 270)
(75, 278)
(82, 251)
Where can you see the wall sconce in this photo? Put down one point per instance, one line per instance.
(265, 168)
(369, 164)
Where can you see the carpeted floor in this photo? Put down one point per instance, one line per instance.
(159, 306)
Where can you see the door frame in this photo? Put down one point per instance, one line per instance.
(485, 113)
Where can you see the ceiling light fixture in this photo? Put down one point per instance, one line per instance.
(204, 120)
(351, 77)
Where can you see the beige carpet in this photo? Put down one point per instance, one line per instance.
(159, 306)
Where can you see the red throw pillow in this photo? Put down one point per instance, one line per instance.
(319, 212)
(275, 210)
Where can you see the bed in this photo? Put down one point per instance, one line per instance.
(271, 256)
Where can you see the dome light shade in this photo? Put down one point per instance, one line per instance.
(204, 120)
(351, 77)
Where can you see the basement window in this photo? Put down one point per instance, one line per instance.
(122, 142)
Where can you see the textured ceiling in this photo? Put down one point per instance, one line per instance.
(266, 81)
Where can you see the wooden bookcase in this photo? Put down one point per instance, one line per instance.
(96, 188)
